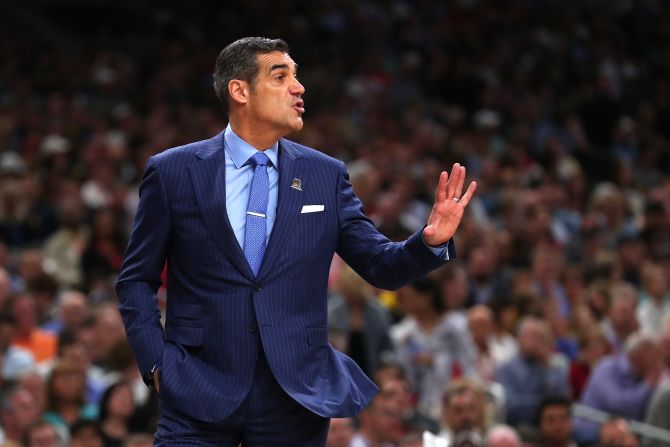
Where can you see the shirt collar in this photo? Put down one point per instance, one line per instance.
(240, 151)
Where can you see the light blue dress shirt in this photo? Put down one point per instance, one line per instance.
(238, 181)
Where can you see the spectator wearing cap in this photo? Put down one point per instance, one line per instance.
(621, 384)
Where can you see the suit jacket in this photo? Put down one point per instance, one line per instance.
(219, 316)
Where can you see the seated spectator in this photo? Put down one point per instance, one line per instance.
(14, 360)
(621, 384)
(86, 434)
(592, 347)
(621, 321)
(463, 405)
(430, 349)
(530, 377)
(658, 411)
(481, 326)
(43, 345)
(19, 412)
(617, 433)
(340, 432)
(43, 434)
(116, 408)
(397, 390)
(354, 312)
(70, 311)
(66, 398)
(379, 425)
(555, 423)
(654, 299)
(64, 248)
(502, 436)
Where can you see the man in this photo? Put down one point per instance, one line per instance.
(622, 384)
(248, 223)
(19, 412)
(617, 433)
(379, 425)
(340, 432)
(503, 436)
(530, 377)
(555, 422)
(463, 405)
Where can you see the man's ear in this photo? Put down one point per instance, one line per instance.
(238, 91)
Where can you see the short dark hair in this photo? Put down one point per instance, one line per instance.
(238, 61)
(553, 401)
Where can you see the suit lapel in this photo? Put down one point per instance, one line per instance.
(289, 201)
(209, 182)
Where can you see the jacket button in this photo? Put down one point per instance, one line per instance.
(257, 288)
(253, 327)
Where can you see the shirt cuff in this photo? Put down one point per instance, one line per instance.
(441, 251)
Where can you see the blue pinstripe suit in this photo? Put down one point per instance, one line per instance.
(219, 316)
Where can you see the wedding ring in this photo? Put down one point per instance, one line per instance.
(455, 199)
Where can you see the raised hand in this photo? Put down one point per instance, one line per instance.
(449, 206)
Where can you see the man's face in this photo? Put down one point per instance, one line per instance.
(463, 412)
(556, 425)
(275, 102)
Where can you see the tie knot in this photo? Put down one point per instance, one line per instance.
(259, 159)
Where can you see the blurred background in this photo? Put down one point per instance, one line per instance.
(557, 304)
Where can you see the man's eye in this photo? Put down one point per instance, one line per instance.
(280, 77)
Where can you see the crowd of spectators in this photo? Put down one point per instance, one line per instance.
(560, 294)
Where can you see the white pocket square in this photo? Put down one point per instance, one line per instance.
(311, 209)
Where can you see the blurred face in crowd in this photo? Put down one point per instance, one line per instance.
(340, 432)
(121, 403)
(617, 433)
(480, 323)
(272, 101)
(22, 413)
(556, 425)
(622, 315)
(44, 435)
(379, 421)
(534, 340)
(87, 437)
(397, 393)
(463, 412)
(68, 386)
(72, 308)
(25, 313)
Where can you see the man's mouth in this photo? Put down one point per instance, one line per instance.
(299, 106)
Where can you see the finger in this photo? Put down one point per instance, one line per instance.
(459, 182)
(441, 191)
(468, 194)
(454, 177)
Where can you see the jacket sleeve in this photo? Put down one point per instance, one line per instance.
(140, 274)
(382, 263)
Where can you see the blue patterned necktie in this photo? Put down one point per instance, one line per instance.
(255, 233)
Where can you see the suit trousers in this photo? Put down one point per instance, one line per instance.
(267, 417)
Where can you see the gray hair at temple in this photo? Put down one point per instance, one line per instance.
(238, 61)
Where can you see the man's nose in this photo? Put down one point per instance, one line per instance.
(297, 88)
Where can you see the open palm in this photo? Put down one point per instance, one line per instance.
(449, 206)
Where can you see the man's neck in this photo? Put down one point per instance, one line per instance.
(256, 136)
